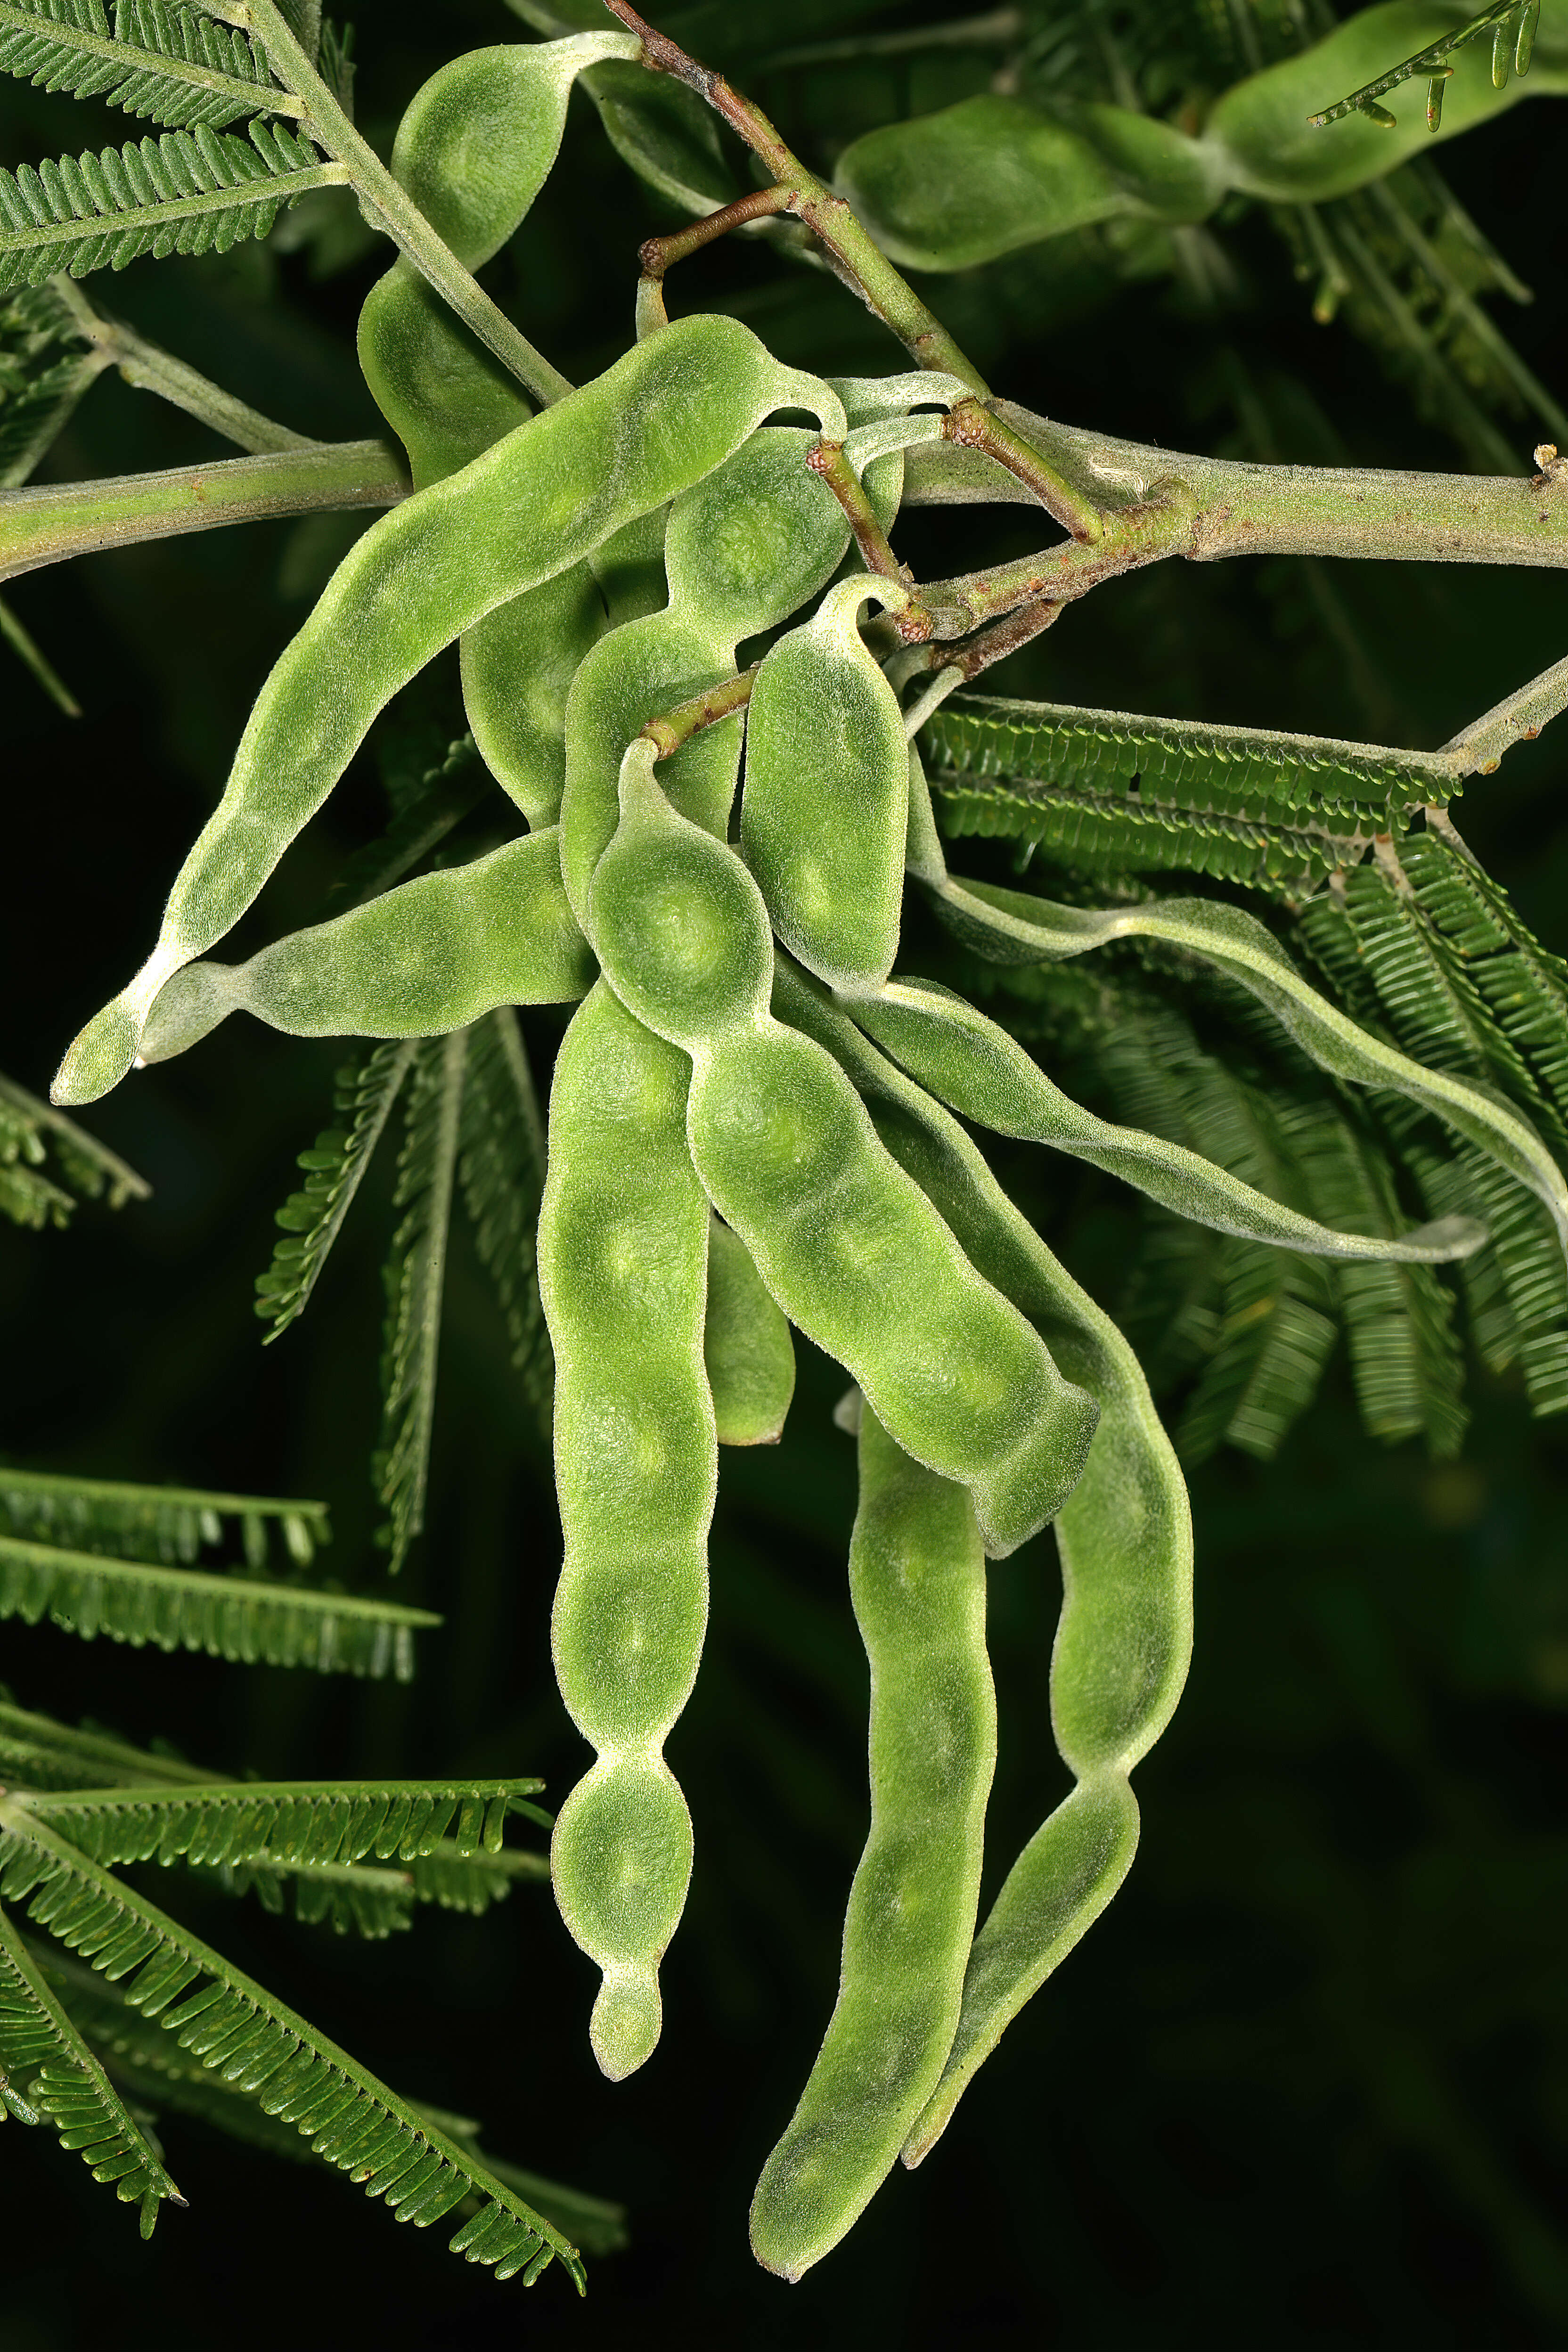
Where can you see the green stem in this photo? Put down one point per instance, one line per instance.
(973, 427)
(677, 726)
(51, 524)
(325, 122)
(827, 459)
(1157, 526)
(31, 657)
(1517, 719)
(861, 263)
(1243, 509)
(150, 369)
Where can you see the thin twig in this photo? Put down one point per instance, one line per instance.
(675, 726)
(827, 459)
(846, 244)
(973, 427)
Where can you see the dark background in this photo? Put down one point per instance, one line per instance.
(1308, 2079)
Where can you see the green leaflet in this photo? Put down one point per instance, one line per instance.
(1512, 25)
(1403, 264)
(36, 1752)
(1109, 790)
(415, 1276)
(188, 192)
(47, 1163)
(169, 64)
(1434, 955)
(287, 1822)
(42, 374)
(227, 1616)
(153, 2065)
(225, 2019)
(264, 1852)
(334, 1169)
(502, 1169)
(1192, 1299)
(70, 2089)
(170, 1524)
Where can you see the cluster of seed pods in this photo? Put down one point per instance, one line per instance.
(750, 1122)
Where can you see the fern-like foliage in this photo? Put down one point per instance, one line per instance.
(334, 1169)
(188, 191)
(166, 63)
(47, 1164)
(415, 1276)
(1425, 952)
(1109, 792)
(170, 1524)
(473, 1124)
(227, 2020)
(43, 1756)
(503, 1170)
(1245, 1334)
(156, 2070)
(66, 2084)
(37, 1752)
(287, 1824)
(226, 1616)
(42, 374)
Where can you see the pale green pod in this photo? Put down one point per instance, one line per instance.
(917, 1578)
(629, 569)
(953, 189)
(826, 808)
(1125, 1541)
(522, 513)
(746, 1346)
(473, 149)
(518, 665)
(423, 959)
(474, 146)
(645, 667)
(742, 553)
(850, 1247)
(1011, 927)
(623, 1254)
(1063, 1880)
(975, 1067)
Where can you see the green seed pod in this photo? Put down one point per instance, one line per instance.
(826, 808)
(743, 551)
(746, 1346)
(917, 1578)
(850, 1247)
(977, 1069)
(473, 150)
(623, 1253)
(1124, 1537)
(680, 924)
(518, 665)
(977, 180)
(522, 513)
(427, 957)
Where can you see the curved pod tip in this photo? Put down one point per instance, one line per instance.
(97, 1057)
